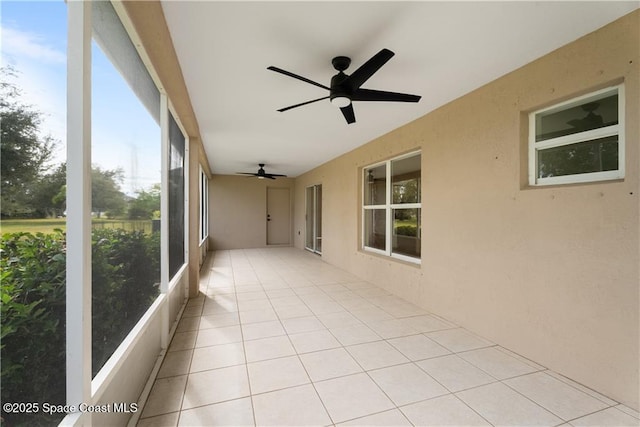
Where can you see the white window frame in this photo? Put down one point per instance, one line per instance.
(578, 137)
(314, 220)
(388, 207)
(204, 206)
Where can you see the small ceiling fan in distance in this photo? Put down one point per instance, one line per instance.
(261, 174)
(345, 88)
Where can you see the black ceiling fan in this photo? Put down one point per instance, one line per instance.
(347, 88)
(261, 174)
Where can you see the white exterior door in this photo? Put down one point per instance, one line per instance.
(278, 216)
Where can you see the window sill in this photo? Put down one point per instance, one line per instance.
(553, 185)
(585, 178)
(415, 264)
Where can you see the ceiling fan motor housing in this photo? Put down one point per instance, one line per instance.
(339, 88)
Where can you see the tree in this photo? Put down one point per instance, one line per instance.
(24, 153)
(49, 195)
(27, 190)
(106, 196)
(146, 205)
(50, 192)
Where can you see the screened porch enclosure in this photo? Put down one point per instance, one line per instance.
(100, 52)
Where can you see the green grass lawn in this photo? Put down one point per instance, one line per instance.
(47, 226)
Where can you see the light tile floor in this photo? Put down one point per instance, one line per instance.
(280, 338)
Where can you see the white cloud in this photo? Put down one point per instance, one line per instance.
(40, 77)
(17, 43)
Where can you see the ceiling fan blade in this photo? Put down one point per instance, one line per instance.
(245, 173)
(380, 95)
(302, 103)
(295, 76)
(269, 176)
(276, 174)
(348, 113)
(368, 69)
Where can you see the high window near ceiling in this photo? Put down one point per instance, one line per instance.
(580, 140)
(391, 208)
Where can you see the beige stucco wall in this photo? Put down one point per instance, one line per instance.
(551, 273)
(238, 210)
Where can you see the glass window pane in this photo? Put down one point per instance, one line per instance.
(591, 114)
(319, 218)
(405, 180)
(309, 218)
(584, 157)
(126, 164)
(375, 228)
(406, 232)
(204, 208)
(176, 197)
(375, 185)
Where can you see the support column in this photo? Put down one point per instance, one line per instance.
(164, 218)
(194, 217)
(78, 275)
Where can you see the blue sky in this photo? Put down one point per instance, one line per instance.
(33, 41)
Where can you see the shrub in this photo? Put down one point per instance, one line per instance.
(33, 318)
(125, 275)
(407, 230)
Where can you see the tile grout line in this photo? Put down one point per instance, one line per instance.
(451, 393)
(574, 384)
(563, 421)
(244, 349)
(608, 406)
(184, 391)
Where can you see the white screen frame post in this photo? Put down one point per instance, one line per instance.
(78, 268)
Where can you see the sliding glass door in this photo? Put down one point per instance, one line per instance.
(313, 236)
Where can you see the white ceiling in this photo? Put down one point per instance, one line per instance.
(443, 50)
